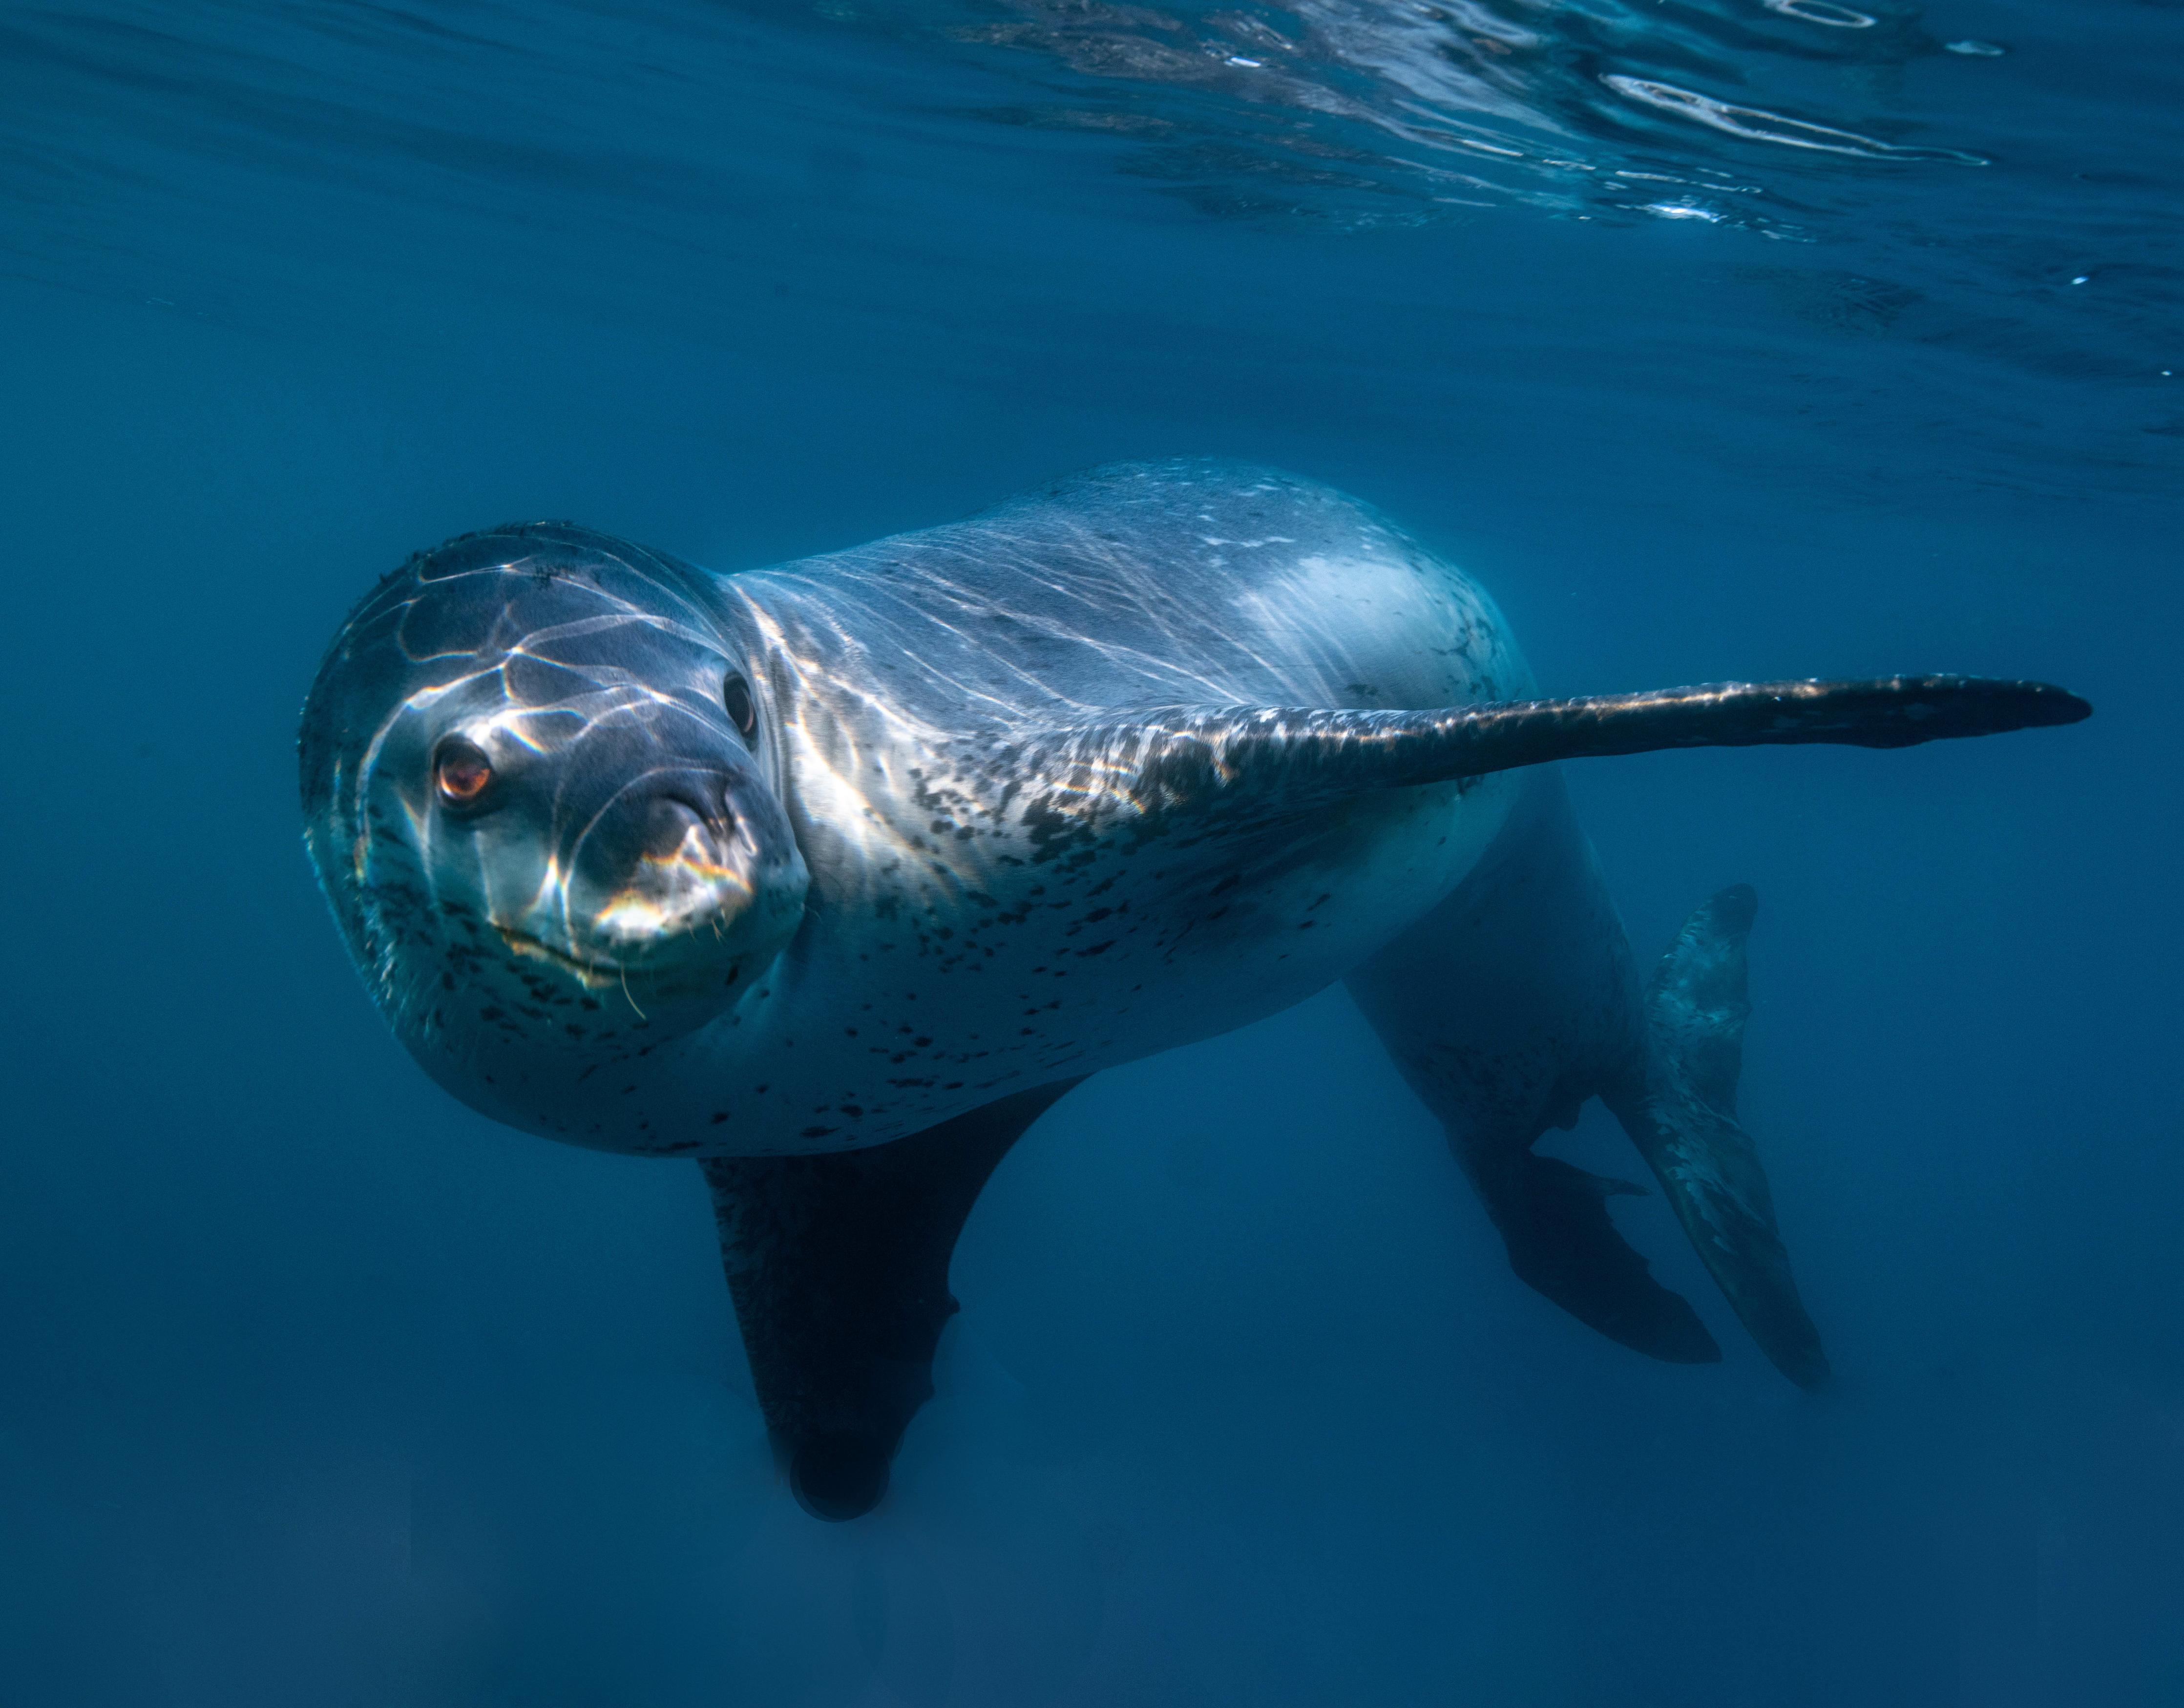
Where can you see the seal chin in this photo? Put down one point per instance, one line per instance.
(694, 956)
(592, 975)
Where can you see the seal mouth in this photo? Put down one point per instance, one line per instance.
(593, 975)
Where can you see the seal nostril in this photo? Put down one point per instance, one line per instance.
(670, 819)
(668, 822)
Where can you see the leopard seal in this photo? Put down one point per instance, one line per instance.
(833, 876)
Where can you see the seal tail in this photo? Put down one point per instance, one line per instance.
(1683, 1120)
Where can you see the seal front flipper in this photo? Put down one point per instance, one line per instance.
(1173, 762)
(1682, 1117)
(838, 1268)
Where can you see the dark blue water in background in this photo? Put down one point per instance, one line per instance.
(1723, 338)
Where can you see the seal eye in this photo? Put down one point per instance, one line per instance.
(461, 773)
(735, 695)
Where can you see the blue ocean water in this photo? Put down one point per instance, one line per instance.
(1718, 337)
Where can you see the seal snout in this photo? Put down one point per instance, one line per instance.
(679, 866)
(647, 857)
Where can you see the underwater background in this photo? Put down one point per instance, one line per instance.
(1720, 339)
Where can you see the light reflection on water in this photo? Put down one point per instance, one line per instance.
(685, 137)
(1494, 99)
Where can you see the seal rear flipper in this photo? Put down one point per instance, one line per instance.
(1683, 1120)
(1553, 1218)
(1507, 1008)
(838, 1268)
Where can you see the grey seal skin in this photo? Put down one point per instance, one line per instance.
(833, 876)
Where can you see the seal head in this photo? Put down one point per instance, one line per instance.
(540, 790)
